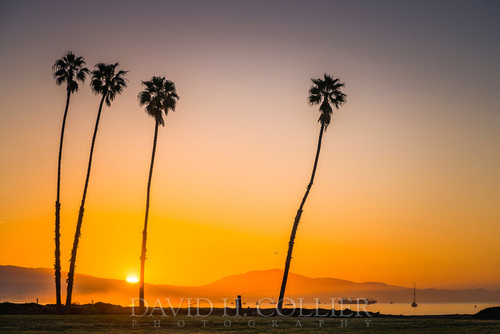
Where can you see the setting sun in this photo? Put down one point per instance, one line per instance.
(132, 279)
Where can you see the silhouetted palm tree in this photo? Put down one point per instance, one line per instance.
(68, 69)
(159, 96)
(325, 92)
(106, 81)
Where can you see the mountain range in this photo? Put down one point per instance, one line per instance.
(19, 284)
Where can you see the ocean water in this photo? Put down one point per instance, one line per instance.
(427, 309)
(391, 309)
(406, 309)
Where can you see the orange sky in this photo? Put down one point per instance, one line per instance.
(407, 187)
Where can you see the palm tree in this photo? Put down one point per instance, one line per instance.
(159, 96)
(68, 69)
(108, 82)
(325, 92)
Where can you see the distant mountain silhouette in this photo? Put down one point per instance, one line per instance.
(18, 284)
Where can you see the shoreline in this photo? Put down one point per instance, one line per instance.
(105, 309)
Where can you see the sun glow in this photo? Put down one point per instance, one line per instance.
(132, 279)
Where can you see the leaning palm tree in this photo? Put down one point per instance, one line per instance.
(324, 92)
(159, 96)
(68, 69)
(108, 82)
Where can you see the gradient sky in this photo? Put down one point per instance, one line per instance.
(407, 187)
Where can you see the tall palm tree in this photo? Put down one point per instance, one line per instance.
(325, 92)
(108, 82)
(159, 96)
(68, 69)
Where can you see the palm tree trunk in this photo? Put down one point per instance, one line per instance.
(57, 263)
(296, 223)
(71, 272)
(145, 231)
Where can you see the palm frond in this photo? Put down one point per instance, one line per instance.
(70, 69)
(106, 82)
(326, 91)
(159, 96)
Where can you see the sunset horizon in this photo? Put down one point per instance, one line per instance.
(255, 286)
(133, 278)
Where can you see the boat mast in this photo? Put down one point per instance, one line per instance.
(414, 304)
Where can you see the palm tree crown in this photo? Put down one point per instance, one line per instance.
(70, 69)
(159, 96)
(326, 91)
(107, 82)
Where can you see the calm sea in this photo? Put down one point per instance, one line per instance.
(395, 308)
(427, 309)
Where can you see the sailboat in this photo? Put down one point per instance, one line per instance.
(414, 304)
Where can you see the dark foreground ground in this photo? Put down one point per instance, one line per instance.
(107, 318)
(211, 324)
